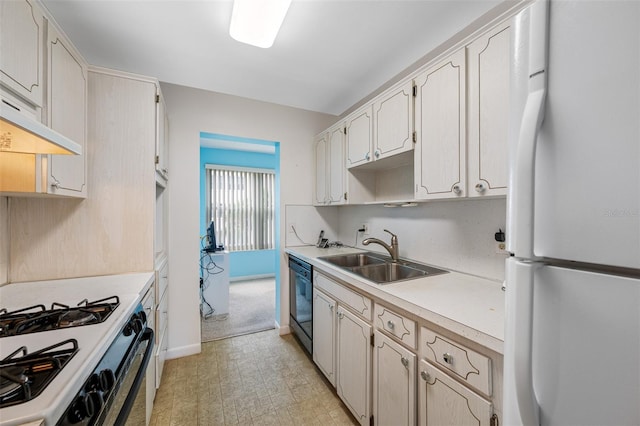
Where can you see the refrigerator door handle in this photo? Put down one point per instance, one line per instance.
(524, 408)
(522, 191)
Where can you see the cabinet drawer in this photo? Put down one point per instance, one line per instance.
(162, 279)
(149, 306)
(464, 363)
(161, 355)
(162, 314)
(355, 301)
(395, 324)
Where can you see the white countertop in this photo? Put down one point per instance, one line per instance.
(470, 306)
(93, 340)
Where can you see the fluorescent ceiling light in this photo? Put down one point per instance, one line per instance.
(257, 22)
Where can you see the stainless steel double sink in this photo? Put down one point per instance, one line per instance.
(380, 268)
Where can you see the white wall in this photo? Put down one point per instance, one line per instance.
(192, 111)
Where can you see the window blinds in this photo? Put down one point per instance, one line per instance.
(243, 208)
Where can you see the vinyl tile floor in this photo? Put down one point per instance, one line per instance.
(255, 379)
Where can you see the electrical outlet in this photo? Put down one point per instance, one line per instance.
(365, 226)
(501, 248)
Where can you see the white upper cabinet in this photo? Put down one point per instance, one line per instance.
(330, 186)
(162, 136)
(393, 122)
(67, 114)
(320, 147)
(440, 126)
(488, 85)
(22, 49)
(336, 170)
(359, 134)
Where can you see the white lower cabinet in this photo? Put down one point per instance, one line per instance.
(162, 317)
(149, 306)
(445, 402)
(354, 364)
(324, 334)
(376, 372)
(342, 342)
(394, 383)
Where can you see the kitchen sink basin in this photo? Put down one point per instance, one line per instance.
(353, 260)
(380, 269)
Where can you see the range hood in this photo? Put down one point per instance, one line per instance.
(20, 133)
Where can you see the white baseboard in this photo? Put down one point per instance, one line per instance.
(283, 330)
(183, 351)
(251, 277)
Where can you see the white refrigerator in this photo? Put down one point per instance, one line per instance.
(572, 330)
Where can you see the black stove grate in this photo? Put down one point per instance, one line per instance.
(37, 318)
(23, 375)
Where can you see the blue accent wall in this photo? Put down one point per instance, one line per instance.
(244, 263)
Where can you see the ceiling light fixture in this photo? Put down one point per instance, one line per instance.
(257, 22)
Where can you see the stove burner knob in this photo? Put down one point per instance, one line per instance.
(96, 400)
(81, 409)
(93, 383)
(107, 380)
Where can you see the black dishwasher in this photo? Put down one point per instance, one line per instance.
(301, 301)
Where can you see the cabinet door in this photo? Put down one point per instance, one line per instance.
(320, 147)
(354, 364)
(22, 49)
(394, 383)
(444, 402)
(149, 306)
(336, 169)
(67, 112)
(324, 334)
(359, 136)
(489, 71)
(162, 133)
(393, 122)
(440, 125)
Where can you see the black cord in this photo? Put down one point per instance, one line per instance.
(207, 269)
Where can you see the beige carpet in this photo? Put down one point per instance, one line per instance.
(251, 309)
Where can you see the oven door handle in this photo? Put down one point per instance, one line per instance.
(147, 335)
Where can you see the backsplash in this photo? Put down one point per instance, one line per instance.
(457, 235)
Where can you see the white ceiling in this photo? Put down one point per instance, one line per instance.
(328, 55)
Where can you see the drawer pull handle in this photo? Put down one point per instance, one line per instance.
(448, 358)
(405, 362)
(424, 375)
(390, 324)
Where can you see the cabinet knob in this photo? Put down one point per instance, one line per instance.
(390, 324)
(368, 156)
(56, 184)
(331, 308)
(405, 362)
(424, 375)
(480, 187)
(340, 315)
(377, 153)
(448, 358)
(456, 189)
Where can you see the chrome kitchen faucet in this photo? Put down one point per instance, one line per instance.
(392, 249)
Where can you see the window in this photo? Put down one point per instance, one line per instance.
(242, 205)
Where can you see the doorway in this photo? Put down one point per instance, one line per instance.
(248, 278)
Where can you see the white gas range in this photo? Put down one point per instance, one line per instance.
(71, 381)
